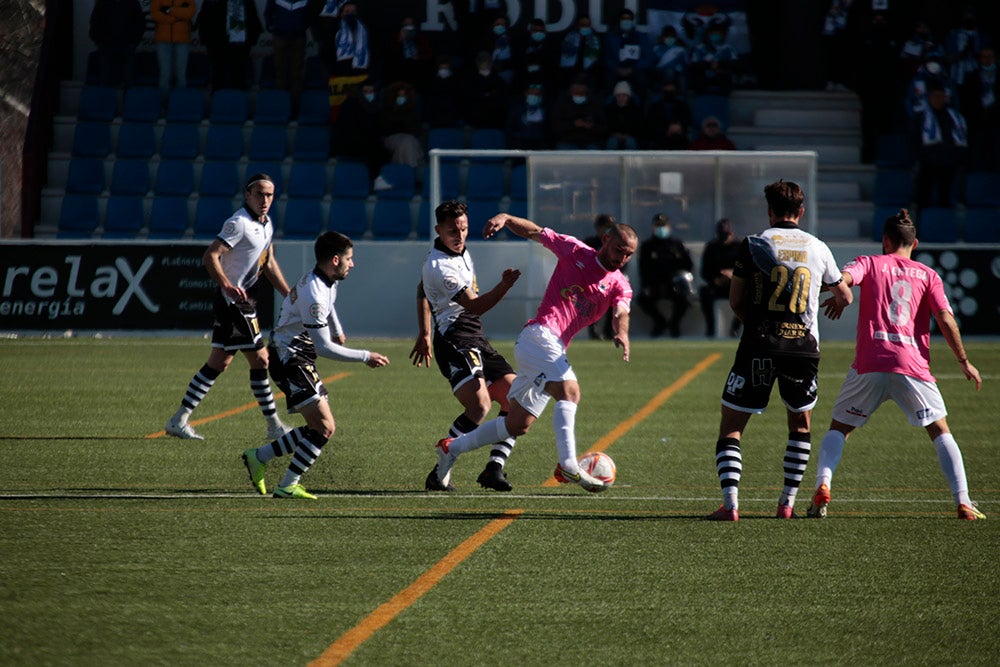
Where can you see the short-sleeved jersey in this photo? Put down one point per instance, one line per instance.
(445, 275)
(580, 289)
(249, 243)
(898, 298)
(309, 306)
(784, 268)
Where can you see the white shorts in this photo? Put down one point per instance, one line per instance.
(861, 395)
(540, 357)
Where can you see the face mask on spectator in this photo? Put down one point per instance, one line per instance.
(579, 99)
(661, 232)
(444, 72)
(369, 97)
(400, 100)
(538, 36)
(499, 30)
(626, 24)
(533, 100)
(586, 31)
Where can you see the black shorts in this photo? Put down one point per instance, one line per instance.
(460, 360)
(748, 387)
(236, 327)
(297, 378)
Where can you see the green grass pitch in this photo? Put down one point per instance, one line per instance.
(118, 548)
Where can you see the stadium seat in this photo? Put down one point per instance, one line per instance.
(879, 216)
(136, 139)
(312, 142)
(175, 178)
(982, 225)
(179, 141)
(268, 142)
(450, 174)
(124, 218)
(219, 179)
(141, 104)
(85, 176)
(229, 106)
(303, 218)
(402, 178)
(78, 216)
(488, 139)
(425, 224)
(210, 213)
(703, 106)
(937, 225)
(518, 208)
(91, 140)
(168, 217)
(98, 104)
(479, 211)
(129, 177)
(314, 108)
(893, 187)
(350, 181)
(185, 105)
(392, 219)
(349, 216)
(272, 107)
(982, 189)
(485, 181)
(446, 137)
(519, 182)
(892, 151)
(307, 179)
(224, 142)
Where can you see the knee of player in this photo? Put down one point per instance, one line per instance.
(478, 408)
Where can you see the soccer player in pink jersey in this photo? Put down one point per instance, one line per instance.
(898, 297)
(584, 285)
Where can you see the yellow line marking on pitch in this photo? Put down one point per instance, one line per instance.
(648, 409)
(341, 649)
(338, 651)
(242, 408)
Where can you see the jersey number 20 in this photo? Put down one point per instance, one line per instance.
(799, 288)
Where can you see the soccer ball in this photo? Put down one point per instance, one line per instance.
(599, 465)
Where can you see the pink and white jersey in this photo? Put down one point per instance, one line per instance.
(580, 289)
(898, 298)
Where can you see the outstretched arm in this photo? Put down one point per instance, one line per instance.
(619, 324)
(421, 353)
(477, 305)
(521, 226)
(949, 329)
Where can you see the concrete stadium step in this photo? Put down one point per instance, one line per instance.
(749, 137)
(837, 190)
(828, 154)
(808, 119)
(863, 175)
(743, 104)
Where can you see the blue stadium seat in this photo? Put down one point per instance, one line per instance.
(479, 211)
(349, 216)
(392, 219)
(174, 178)
(136, 139)
(307, 179)
(219, 179)
(425, 221)
(303, 218)
(446, 137)
(450, 174)
(314, 108)
(210, 213)
(488, 139)
(312, 142)
(98, 103)
(229, 106)
(703, 106)
(892, 151)
(179, 141)
(185, 105)
(85, 176)
(893, 187)
(91, 140)
(982, 225)
(124, 218)
(518, 208)
(403, 180)
(879, 215)
(272, 107)
(268, 142)
(142, 104)
(78, 216)
(982, 189)
(485, 181)
(129, 177)
(937, 225)
(169, 217)
(519, 182)
(224, 142)
(350, 181)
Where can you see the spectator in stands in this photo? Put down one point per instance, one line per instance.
(962, 47)
(712, 138)
(625, 122)
(579, 120)
(357, 133)
(668, 110)
(979, 101)
(717, 262)
(443, 95)
(664, 273)
(918, 46)
(528, 124)
(628, 53)
(409, 56)
(580, 55)
(229, 30)
(940, 139)
(502, 49)
(485, 95)
(324, 30)
(537, 57)
(352, 52)
(838, 48)
(475, 21)
(670, 60)
(116, 27)
(879, 111)
(288, 22)
(401, 125)
(712, 63)
(932, 74)
(173, 40)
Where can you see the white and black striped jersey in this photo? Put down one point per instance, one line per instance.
(446, 274)
(249, 243)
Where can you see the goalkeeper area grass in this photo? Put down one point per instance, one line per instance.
(121, 546)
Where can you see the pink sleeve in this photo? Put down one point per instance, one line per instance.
(560, 244)
(938, 299)
(857, 268)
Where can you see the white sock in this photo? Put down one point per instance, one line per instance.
(950, 458)
(830, 451)
(486, 433)
(564, 424)
(290, 478)
(731, 498)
